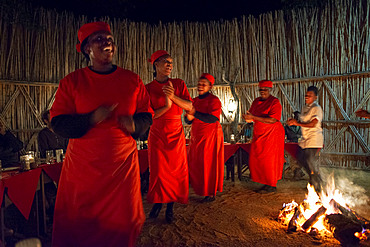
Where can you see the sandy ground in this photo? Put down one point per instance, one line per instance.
(241, 217)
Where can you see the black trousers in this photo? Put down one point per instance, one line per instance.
(307, 159)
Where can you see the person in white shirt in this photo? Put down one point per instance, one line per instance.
(312, 141)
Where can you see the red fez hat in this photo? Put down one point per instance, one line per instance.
(90, 28)
(209, 77)
(157, 55)
(265, 83)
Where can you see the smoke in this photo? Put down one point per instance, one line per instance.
(354, 194)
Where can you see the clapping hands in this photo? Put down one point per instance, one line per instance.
(169, 90)
(102, 113)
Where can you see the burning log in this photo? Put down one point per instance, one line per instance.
(343, 228)
(314, 218)
(350, 214)
(286, 212)
(365, 222)
(293, 225)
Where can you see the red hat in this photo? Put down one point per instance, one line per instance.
(157, 55)
(265, 83)
(209, 77)
(90, 28)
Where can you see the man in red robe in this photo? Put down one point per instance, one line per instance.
(267, 150)
(206, 151)
(100, 108)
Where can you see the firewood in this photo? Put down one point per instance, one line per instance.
(343, 228)
(292, 226)
(313, 219)
(350, 214)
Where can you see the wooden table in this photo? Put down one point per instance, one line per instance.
(21, 189)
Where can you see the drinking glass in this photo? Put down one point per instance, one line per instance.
(49, 157)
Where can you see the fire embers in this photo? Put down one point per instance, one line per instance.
(325, 216)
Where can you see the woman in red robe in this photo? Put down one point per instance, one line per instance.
(168, 166)
(100, 108)
(267, 150)
(206, 151)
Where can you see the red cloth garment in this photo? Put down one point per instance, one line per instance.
(168, 165)
(99, 200)
(267, 151)
(206, 153)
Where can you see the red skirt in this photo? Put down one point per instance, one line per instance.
(206, 158)
(168, 166)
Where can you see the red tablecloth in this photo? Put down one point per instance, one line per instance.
(229, 150)
(143, 160)
(53, 171)
(21, 189)
(22, 186)
(245, 146)
(290, 147)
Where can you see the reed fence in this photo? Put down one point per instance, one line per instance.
(328, 47)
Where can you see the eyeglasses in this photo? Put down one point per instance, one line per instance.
(263, 89)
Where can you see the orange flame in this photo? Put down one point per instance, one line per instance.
(311, 205)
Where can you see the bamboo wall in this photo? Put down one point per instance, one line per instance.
(296, 48)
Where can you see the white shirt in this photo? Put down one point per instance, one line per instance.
(311, 137)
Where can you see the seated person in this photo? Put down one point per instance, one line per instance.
(9, 148)
(47, 139)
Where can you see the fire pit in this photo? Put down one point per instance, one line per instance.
(325, 214)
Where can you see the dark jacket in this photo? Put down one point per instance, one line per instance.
(9, 148)
(48, 140)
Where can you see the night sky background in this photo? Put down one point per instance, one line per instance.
(153, 11)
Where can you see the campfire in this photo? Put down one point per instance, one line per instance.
(325, 214)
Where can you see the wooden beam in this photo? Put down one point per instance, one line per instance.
(29, 83)
(347, 122)
(341, 131)
(31, 141)
(31, 105)
(282, 89)
(345, 115)
(304, 79)
(51, 101)
(345, 154)
(11, 101)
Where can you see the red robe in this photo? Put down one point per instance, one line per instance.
(206, 152)
(267, 150)
(168, 165)
(99, 200)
